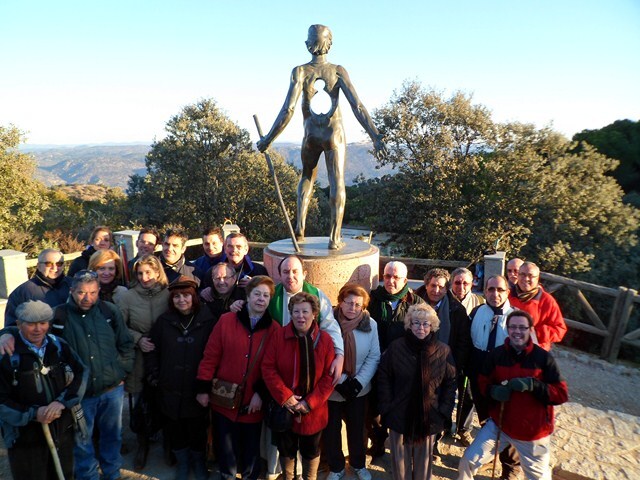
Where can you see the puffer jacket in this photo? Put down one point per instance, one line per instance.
(396, 378)
(36, 288)
(140, 309)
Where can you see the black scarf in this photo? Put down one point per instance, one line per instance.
(106, 291)
(416, 428)
(52, 282)
(307, 373)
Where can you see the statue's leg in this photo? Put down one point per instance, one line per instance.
(310, 159)
(335, 159)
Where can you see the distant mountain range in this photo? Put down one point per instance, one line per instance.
(112, 165)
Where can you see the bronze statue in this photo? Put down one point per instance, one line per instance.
(323, 132)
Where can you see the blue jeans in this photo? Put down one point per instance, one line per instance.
(105, 411)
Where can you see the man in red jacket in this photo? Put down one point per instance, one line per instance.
(529, 296)
(523, 383)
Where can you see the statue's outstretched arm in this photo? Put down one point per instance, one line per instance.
(286, 112)
(359, 109)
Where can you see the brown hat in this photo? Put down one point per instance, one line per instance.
(183, 282)
(34, 311)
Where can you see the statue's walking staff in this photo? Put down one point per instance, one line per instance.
(275, 182)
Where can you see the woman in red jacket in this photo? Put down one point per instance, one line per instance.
(235, 349)
(296, 371)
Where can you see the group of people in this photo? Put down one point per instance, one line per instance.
(272, 370)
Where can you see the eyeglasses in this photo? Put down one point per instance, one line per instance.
(460, 282)
(386, 276)
(59, 264)
(82, 274)
(496, 289)
(424, 325)
(527, 275)
(222, 279)
(518, 328)
(146, 244)
(355, 305)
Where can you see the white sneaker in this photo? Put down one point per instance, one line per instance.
(363, 473)
(337, 475)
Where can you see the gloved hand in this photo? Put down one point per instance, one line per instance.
(152, 380)
(350, 388)
(501, 393)
(354, 386)
(342, 389)
(521, 384)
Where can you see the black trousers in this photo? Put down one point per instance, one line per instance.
(289, 443)
(188, 433)
(30, 457)
(353, 414)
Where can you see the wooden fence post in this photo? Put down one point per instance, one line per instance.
(618, 325)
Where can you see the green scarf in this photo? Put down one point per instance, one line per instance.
(383, 296)
(277, 306)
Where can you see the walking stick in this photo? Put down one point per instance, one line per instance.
(495, 455)
(52, 449)
(275, 181)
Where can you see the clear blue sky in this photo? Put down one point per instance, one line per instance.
(92, 72)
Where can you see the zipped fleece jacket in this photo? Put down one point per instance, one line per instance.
(548, 322)
(103, 344)
(527, 415)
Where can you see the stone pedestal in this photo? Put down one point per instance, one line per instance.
(328, 270)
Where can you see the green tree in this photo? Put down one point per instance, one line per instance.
(204, 171)
(619, 140)
(467, 183)
(22, 199)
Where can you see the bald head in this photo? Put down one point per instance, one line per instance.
(513, 266)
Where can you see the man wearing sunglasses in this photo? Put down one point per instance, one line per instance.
(48, 284)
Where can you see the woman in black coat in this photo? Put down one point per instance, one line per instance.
(416, 389)
(180, 336)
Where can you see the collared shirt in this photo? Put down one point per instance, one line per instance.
(37, 350)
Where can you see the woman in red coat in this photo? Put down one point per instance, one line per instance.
(235, 349)
(296, 371)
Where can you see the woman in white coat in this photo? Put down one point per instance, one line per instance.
(348, 401)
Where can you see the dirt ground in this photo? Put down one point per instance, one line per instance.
(592, 383)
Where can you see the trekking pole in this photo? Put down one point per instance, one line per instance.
(460, 406)
(275, 181)
(495, 455)
(52, 449)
